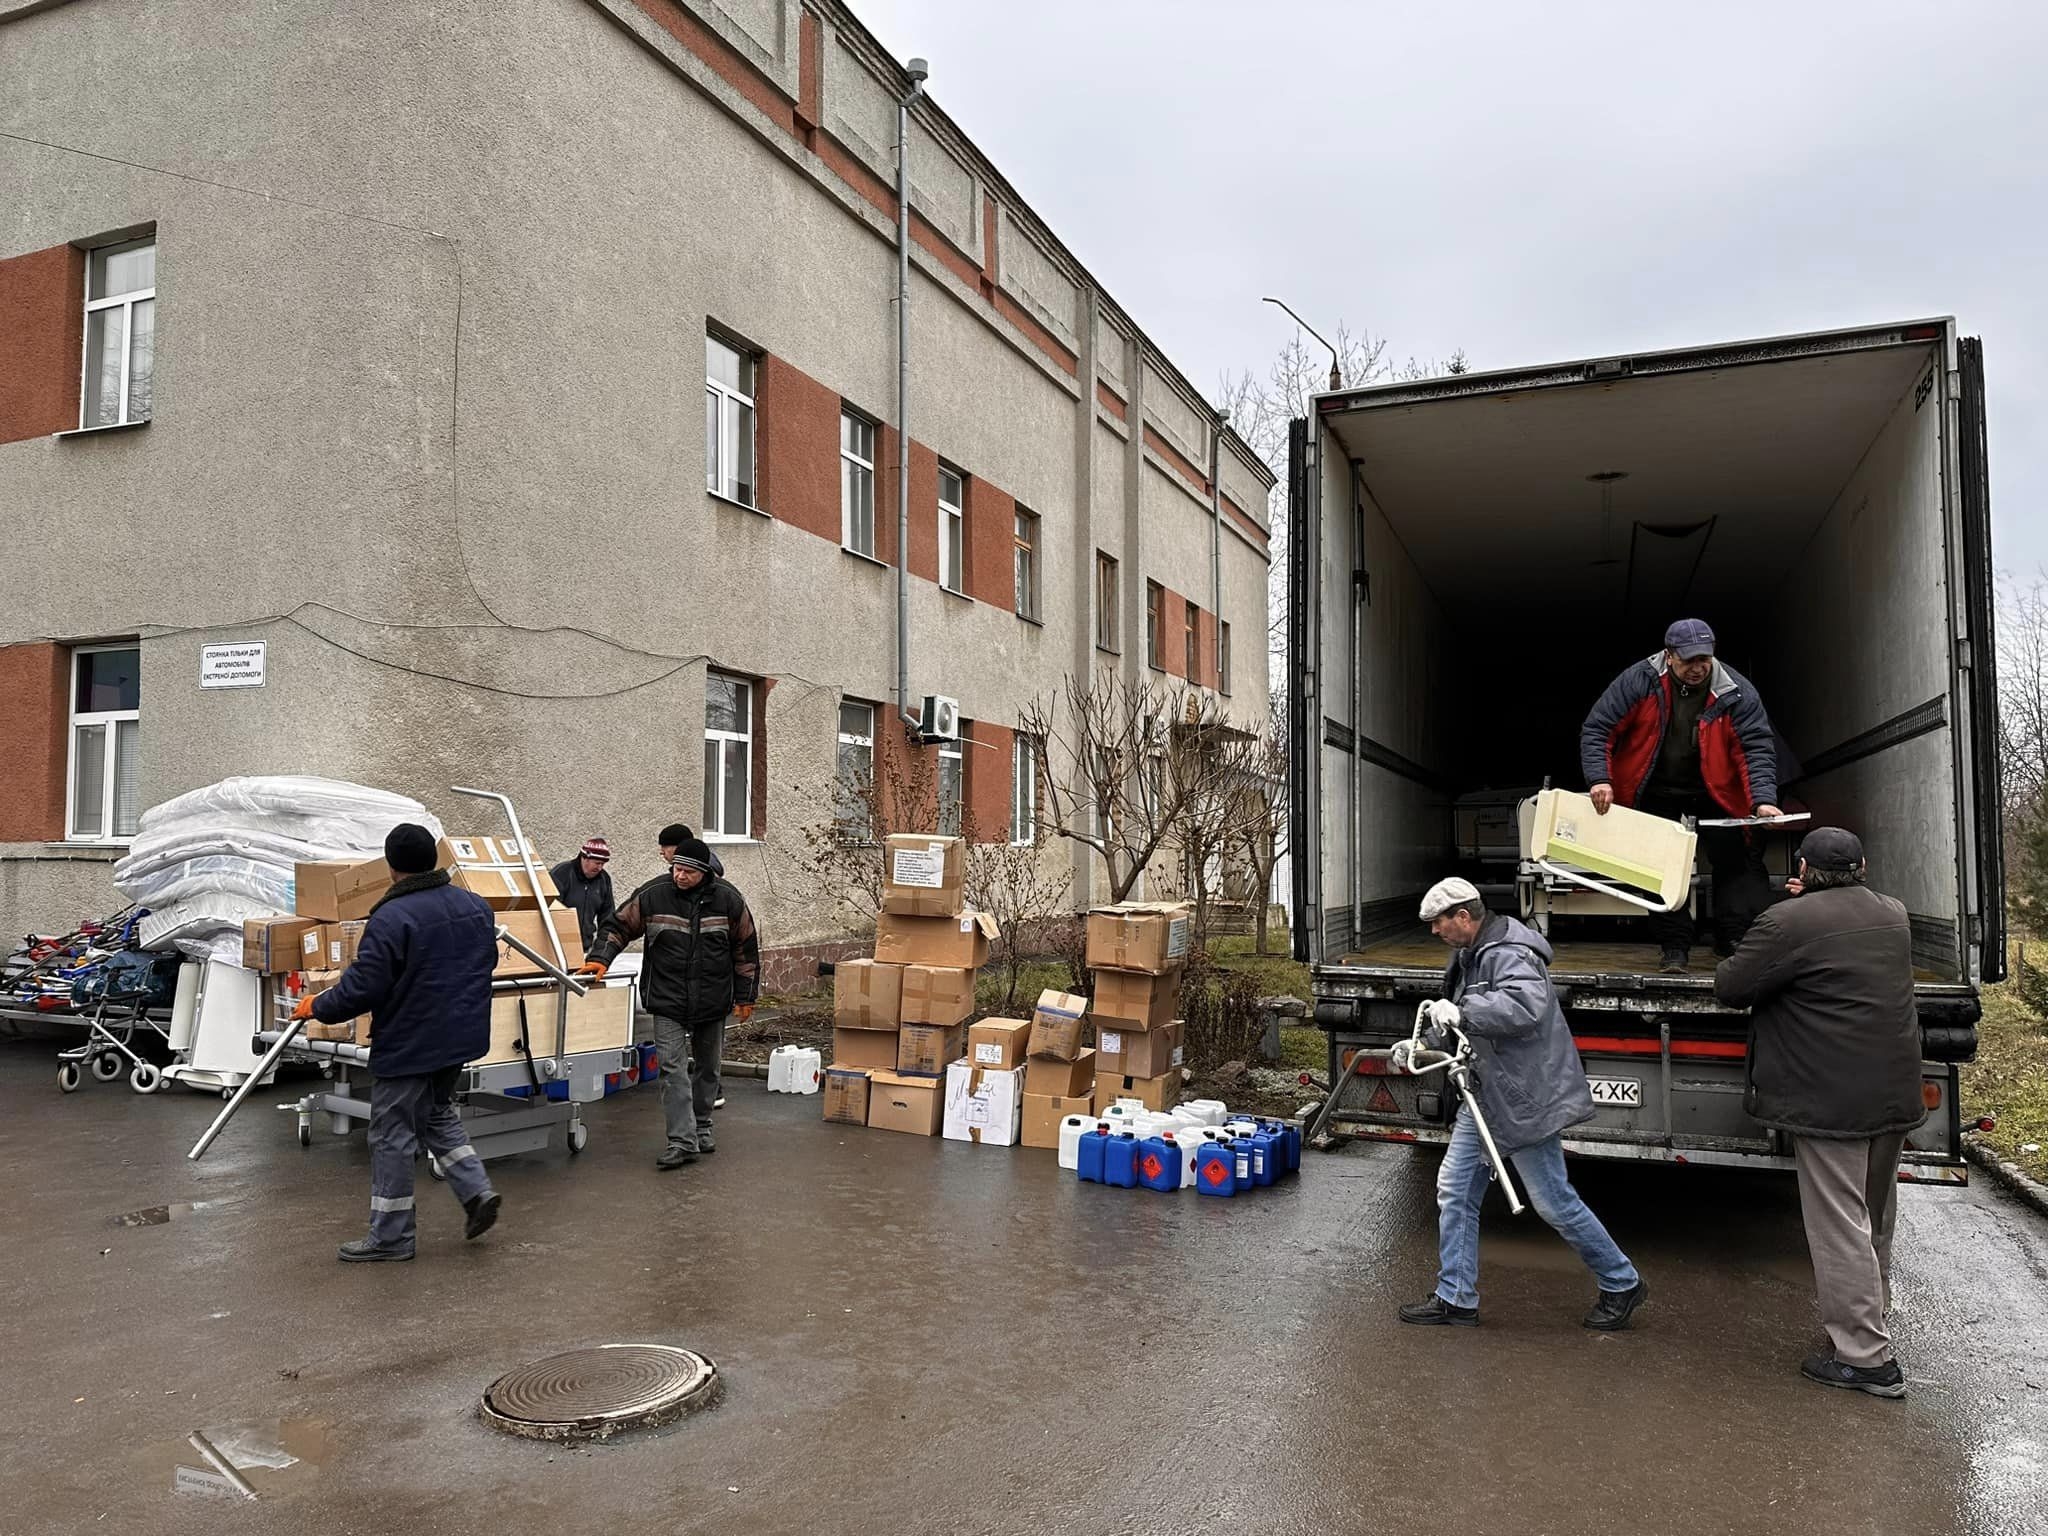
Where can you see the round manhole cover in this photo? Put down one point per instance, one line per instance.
(599, 1392)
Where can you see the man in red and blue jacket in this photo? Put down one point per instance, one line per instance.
(1682, 733)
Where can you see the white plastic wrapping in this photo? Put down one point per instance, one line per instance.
(205, 861)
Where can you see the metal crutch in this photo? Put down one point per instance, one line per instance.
(1456, 1065)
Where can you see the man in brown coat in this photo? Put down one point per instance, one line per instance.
(1834, 1059)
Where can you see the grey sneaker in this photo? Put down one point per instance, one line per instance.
(704, 1142)
(1885, 1380)
(363, 1251)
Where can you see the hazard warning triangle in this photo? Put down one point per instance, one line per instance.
(1382, 1101)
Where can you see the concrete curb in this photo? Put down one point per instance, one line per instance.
(2017, 1182)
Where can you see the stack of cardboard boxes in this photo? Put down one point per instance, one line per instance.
(310, 949)
(900, 1018)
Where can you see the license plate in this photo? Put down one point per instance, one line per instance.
(1623, 1091)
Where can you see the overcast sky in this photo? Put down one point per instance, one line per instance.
(1533, 182)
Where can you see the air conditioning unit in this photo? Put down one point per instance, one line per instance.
(938, 718)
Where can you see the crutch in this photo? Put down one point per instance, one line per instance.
(1414, 1058)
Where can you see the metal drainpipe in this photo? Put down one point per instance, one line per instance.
(918, 72)
(1216, 540)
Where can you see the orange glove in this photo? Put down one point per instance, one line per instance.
(304, 1010)
(591, 968)
(744, 1012)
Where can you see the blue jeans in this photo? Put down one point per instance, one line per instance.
(1461, 1186)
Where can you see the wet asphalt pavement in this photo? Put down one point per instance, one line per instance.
(930, 1336)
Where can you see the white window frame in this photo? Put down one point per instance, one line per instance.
(956, 752)
(1191, 641)
(1155, 622)
(125, 302)
(864, 743)
(111, 720)
(1108, 597)
(1223, 657)
(736, 412)
(853, 471)
(1024, 791)
(1028, 540)
(728, 742)
(953, 532)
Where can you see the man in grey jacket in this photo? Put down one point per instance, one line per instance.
(1834, 1059)
(1531, 1087)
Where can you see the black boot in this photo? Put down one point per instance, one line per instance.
(363, 1251)
(676, 1157)
(483, 1213)
(1612, 1309)
(1435, 1311)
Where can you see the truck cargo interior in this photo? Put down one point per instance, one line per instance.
(1492, 550)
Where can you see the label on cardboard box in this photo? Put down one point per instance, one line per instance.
(1109, 1042)
(918, 866)
(999, 1042)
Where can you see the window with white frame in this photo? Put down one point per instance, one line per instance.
(952, 530)
(728, 421)
(1107, 595)
(857, 483)
(952, 786)
(102, 797)
(120, 334)
(1155, 621)
(1223, 657)
(1024, 790)
(853, 784)
(1193, 658)
(728, 756)
(1027, 564)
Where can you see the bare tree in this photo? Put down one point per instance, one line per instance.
(1143, 775)
(2023, 745)
(1265, 833)
(1011, 882)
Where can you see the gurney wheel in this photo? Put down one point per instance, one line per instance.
(145, 1078)
(579, 1137)
(69, 1077)
(107, 1066)
(305, 1134)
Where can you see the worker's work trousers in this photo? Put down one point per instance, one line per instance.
(406, 1113)
(1461, 1183)
(1742, 886)
(1849, 1198)
(690, 1058)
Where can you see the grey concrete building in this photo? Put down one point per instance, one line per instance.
(522, 377)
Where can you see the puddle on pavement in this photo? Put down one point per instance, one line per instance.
(158, 1215)
(240, 1462)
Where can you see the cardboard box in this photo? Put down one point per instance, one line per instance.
(528, 927)
(1135, 999)
(867, 994)
(1043, 1114)
(1155, 1093)
(927, 1049)
(999, 1043)
(339, 943)
(937, 995)
(357, 1030)
(503, 887)
(1050, 1077)
(924, 876)
(275, 945)
(601, 1018)
(958, 943)
(1136, 1053)
(864, 1049)
(340, 893)
(983, 1105)
(912, 1105)
(1148, 936)
(846, 1096)
(1056, 1024)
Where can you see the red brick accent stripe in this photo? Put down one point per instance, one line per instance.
(1242, 521)
(1198, 481)
(42, 337)
(34, 679)
(725, 61)
(1111, 401)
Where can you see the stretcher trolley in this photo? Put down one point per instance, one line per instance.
(555, 1038)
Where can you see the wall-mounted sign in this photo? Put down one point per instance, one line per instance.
(231, 666)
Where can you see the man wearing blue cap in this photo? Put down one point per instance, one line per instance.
(1682, 733)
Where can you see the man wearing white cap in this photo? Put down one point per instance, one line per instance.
(1531, 1086)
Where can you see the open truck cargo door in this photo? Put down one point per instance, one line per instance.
(1979, 596)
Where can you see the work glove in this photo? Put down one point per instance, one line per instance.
(594, 969)
(1400, 1056)
(743, 1012)
(1442, 1014)
(303, 1009)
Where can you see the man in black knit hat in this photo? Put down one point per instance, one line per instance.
(423, 974)
(701, 962)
